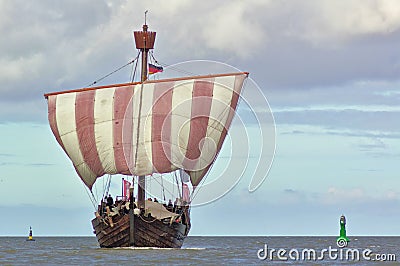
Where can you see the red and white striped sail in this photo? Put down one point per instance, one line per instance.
(140, 129)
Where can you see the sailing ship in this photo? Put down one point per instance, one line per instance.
(167, 126)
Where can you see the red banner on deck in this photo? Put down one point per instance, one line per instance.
(126, 185)
(186, 193)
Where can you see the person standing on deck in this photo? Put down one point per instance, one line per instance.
(110, 201)
(170, 207)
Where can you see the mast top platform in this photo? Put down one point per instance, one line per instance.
(144, 39)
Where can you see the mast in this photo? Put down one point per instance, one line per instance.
(144, 41)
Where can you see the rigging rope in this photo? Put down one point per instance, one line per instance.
(95, 192)
(162, 186)
(107, 186)
(134, 70)
(109, 74)
(92, 199)
(177, 184)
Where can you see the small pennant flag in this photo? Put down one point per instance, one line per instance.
(155, 69)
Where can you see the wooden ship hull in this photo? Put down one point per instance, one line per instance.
(138, 230)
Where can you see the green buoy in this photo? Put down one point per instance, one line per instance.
(342, 240)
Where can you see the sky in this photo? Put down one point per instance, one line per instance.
(329, 72)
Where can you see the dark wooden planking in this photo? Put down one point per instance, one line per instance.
(149, 232)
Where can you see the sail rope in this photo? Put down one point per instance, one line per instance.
(104, 187)
(95, 192)
(108, 183)
(162, 186)
(109, 74)
(148, 184)
(134, 67)
(172, 193)
(91, 196)
(177, 184)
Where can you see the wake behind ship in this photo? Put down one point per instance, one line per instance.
(138, 129)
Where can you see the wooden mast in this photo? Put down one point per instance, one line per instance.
(144, 41)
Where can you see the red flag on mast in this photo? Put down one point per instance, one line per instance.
(155, 69)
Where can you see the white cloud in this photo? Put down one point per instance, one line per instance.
(392, 195)
(230, 28)
(337, 195)
(53, 45)
(362, 17)
(324, 21)
(356, 195)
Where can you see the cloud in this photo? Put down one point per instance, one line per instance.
(298, 53)
(6, 155)
(357, 17)
(372, 144)
(356, 195)
(357, 199)
(336, 195)
(340, 132)
(346, 119)
(244, 37)
(26, 164)
(322, 22)
(40, 164)
(8, 163)
(289, 190)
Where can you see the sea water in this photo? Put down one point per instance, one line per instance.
(203, 251)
